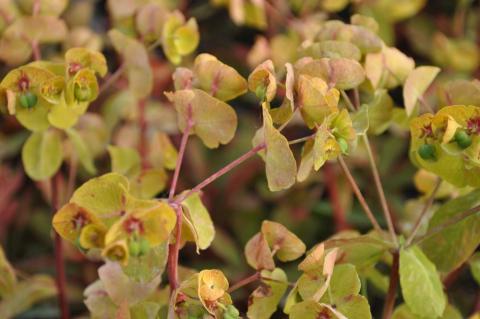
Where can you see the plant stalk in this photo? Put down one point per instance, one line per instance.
(244, 282)
(173, 252)
(334, 196)
(181, 153)
(222, 171)
(60, 277)
(392, 288)
(381, 193)
(424, 211)
(358, 194)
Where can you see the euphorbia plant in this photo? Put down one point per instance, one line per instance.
(335, 91)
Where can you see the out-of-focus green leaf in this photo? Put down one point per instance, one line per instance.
(125, 161)
(140, 75)
(27, 293)
(452, 246)
(42, 154)
(82, 151)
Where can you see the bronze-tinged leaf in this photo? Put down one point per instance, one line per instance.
(214, 121)
(218, 79)
(280, 164)
(258, 253)
(286, 245)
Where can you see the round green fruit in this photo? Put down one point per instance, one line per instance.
(463, 139)
(134, 248)
(83, 94)
(427, 152)
(343, 145)
(260, 92)
(28, 100)
(144, 246)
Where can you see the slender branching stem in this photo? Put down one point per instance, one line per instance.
(456, 219)
(181, 152)
(173, 252)
(143, 127)
(358, 194)
(392, 288)
(379, 187)
(302, 139)
(112, 79)
(60, 277)
(350, 105)
(424, 211)
(334, 196)
(256, 276)
(222, 172)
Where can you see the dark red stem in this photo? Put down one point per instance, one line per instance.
(60, 277)
(333, 194)
(392, 288)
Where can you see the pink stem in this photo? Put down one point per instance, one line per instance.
(222, 171)
(181, 153)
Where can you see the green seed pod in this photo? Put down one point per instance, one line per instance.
(232, 311)
(134, 248)
(28, 100)
(343, 145)
(83, 94)
(144, 246)
(260, 92)
(463, 139)
(427, 152)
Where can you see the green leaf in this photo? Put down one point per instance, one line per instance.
(363, 251)
(310, 309)
(42, 154)
(360, 120)
(264, 300)
(103, 195)
(148, 183)
(403, 312)
(474, 263)
(416, 84)
(451, 247)
(148, 267)
(214, 121)
(218, 79)
(280, 164)
(125, 160)
(26, 294)
(82, 151)
(8, 279)
(200, 223)
(421, 285)
(355, 307)
(344, 283)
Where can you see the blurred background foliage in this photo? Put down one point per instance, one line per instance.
(445, 33)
